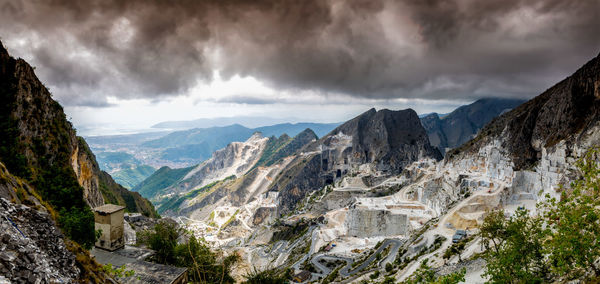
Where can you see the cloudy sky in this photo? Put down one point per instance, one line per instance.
(118, 65)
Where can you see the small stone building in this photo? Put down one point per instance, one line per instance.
(109, 219)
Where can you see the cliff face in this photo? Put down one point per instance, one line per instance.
(391, 139)
(99, 185)
(86, 169)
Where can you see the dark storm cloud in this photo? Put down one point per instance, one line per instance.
(363, 48)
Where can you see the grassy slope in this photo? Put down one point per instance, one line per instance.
(129, 178)
(160, 179)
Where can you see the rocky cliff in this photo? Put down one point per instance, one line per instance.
(462, 124)
(390, 139)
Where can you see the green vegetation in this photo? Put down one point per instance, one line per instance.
(271, 153)
(515, 248)
(117, 271)
(174, 202)
(425, 275)
(269, 276)
(289, 232)
(402, 261)
(230, 219)
(374, 275)
(203, 264)
(457, 248)
(11, 146)
(131, 177)
(559, 244)
(159, 180)
(78, 223)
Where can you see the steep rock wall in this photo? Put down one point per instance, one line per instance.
(86, 170)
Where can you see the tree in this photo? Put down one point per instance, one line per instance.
(77, 223)
(560, 243)
(574, 247)
(269, 276)
(456, 248)
(516, 254)
(203, 264)
(194, 254)
(163, 241)
(425, 275)
(117, 271)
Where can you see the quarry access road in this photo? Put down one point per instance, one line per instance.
(323, 268)
(346, 270)
(395, 245)
(282, 247)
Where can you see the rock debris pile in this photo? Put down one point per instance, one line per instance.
(32, 249)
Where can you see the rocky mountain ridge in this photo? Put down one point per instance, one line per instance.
(235, 175)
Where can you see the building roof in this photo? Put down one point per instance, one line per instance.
(108, 208)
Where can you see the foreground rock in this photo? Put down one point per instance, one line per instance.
(32, 249)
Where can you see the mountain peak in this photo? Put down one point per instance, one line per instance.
(307, 132)
(387, 136)
(257, 135)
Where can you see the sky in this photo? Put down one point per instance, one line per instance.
(125, 65)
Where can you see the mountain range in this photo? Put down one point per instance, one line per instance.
(246, 121)
(189, 147)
